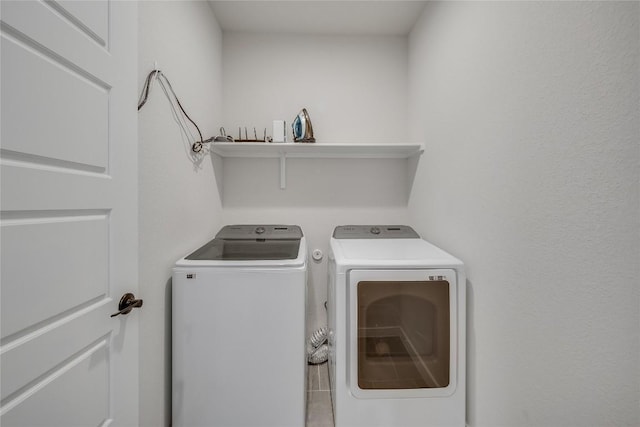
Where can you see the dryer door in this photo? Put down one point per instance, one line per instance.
(402, 333)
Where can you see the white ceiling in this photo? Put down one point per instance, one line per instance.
(351, 17)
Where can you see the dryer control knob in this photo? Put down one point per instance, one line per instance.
(375, 230)
(260, 230)
(317, 254)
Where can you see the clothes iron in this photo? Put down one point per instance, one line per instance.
(302, 128)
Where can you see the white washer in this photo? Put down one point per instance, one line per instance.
(396, 314)
(239, 305)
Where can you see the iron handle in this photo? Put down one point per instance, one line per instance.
(127, 303)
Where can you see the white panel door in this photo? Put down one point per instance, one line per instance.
(68, 221)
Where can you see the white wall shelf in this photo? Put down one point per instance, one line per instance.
(314, 150)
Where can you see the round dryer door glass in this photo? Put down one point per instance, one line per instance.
(403, 334)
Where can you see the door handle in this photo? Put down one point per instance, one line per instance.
(127, 303)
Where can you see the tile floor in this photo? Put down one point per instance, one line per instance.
(319, 412)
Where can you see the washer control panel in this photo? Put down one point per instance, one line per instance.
(249, 232)
(374, 232)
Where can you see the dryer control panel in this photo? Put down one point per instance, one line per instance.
(374, 232)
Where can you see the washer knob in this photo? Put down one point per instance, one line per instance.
(375, 230)
(260, 230)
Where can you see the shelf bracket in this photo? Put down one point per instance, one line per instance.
(283, 170)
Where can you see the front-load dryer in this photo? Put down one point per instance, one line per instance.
(396, 314)
(239, 305)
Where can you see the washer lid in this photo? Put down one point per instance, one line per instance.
(251, 243)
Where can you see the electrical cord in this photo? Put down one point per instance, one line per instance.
(178, 116)
(164, 83)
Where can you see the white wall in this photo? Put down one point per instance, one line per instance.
(355, 89)
(531, 176)
(179, 205)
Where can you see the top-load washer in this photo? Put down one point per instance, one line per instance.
(396, 314)
(239, 305)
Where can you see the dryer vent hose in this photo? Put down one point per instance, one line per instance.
(317, 349)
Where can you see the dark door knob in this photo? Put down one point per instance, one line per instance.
(127, 303)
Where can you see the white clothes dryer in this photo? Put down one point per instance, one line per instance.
(396, 315)
(238, 326)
